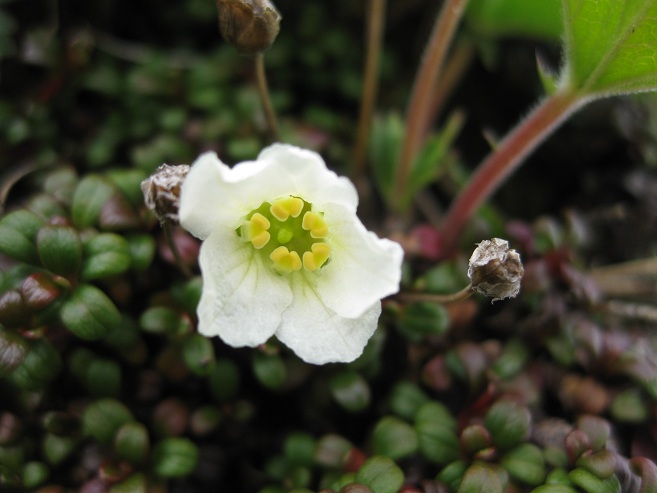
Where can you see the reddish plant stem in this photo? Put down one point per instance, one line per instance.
(419, 107)
(501, 162)
(263, 89)
(375, 18)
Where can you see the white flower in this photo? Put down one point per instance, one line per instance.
(284, 254)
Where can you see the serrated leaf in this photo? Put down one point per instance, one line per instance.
(610, 46)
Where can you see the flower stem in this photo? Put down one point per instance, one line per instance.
(455, 67)
(168, 234)
(501, 162)
(375, 18)
(419, 107)
(263, 89)
(437, 298)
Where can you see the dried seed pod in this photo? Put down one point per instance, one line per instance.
(495, 270)
(250, 25)
(162, 191)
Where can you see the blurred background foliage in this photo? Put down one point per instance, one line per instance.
(104, 383)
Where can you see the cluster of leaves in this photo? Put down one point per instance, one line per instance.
(105, 384)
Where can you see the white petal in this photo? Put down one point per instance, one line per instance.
(363, 267)
(214, 194)
(308, 176)
(198, 197)
(317, 334)
(242, 301)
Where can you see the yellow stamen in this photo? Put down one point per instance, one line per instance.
(283, 208)
(285, 260)
(256, 230)
(318, 257)
(315, 224)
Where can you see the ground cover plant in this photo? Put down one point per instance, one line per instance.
(301, 299)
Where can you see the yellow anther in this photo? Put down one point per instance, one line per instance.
(317, 257)
(256, 230)
(285, 260)
(283, 208)
(315, 224)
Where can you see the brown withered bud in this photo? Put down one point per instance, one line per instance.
(495, 270)
(250, 25)
(162, 191)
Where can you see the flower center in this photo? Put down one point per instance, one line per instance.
(288, 233)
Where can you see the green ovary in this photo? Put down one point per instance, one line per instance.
(288, 234)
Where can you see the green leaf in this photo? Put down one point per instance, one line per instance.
(105, 255)
(57, 449)
(350, 390)
(269, 370)
(438, 443)
(481, 478)
(508, 423)
(18, 232)
(223, 379)
(164, 320)
(142, 250)
(385, 145)
(131, 442)
(89, 198)
(497, 18)
(421, 319)
(299, 449)
(174, 457)
(103, 378)
(89, 313)
(394, 438)
(590, 483)
(381, 475)
(198, 353)
(60, 249)
(40, 366)
(13, 349)
(103, 418)
(610, 46)
(433, 157)
(525, 463)
(452, 474)
(554, 488)
(405, 399)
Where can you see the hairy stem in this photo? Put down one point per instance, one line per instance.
(508, 155)
(419, 107)
(376, 17)
(263, 88)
